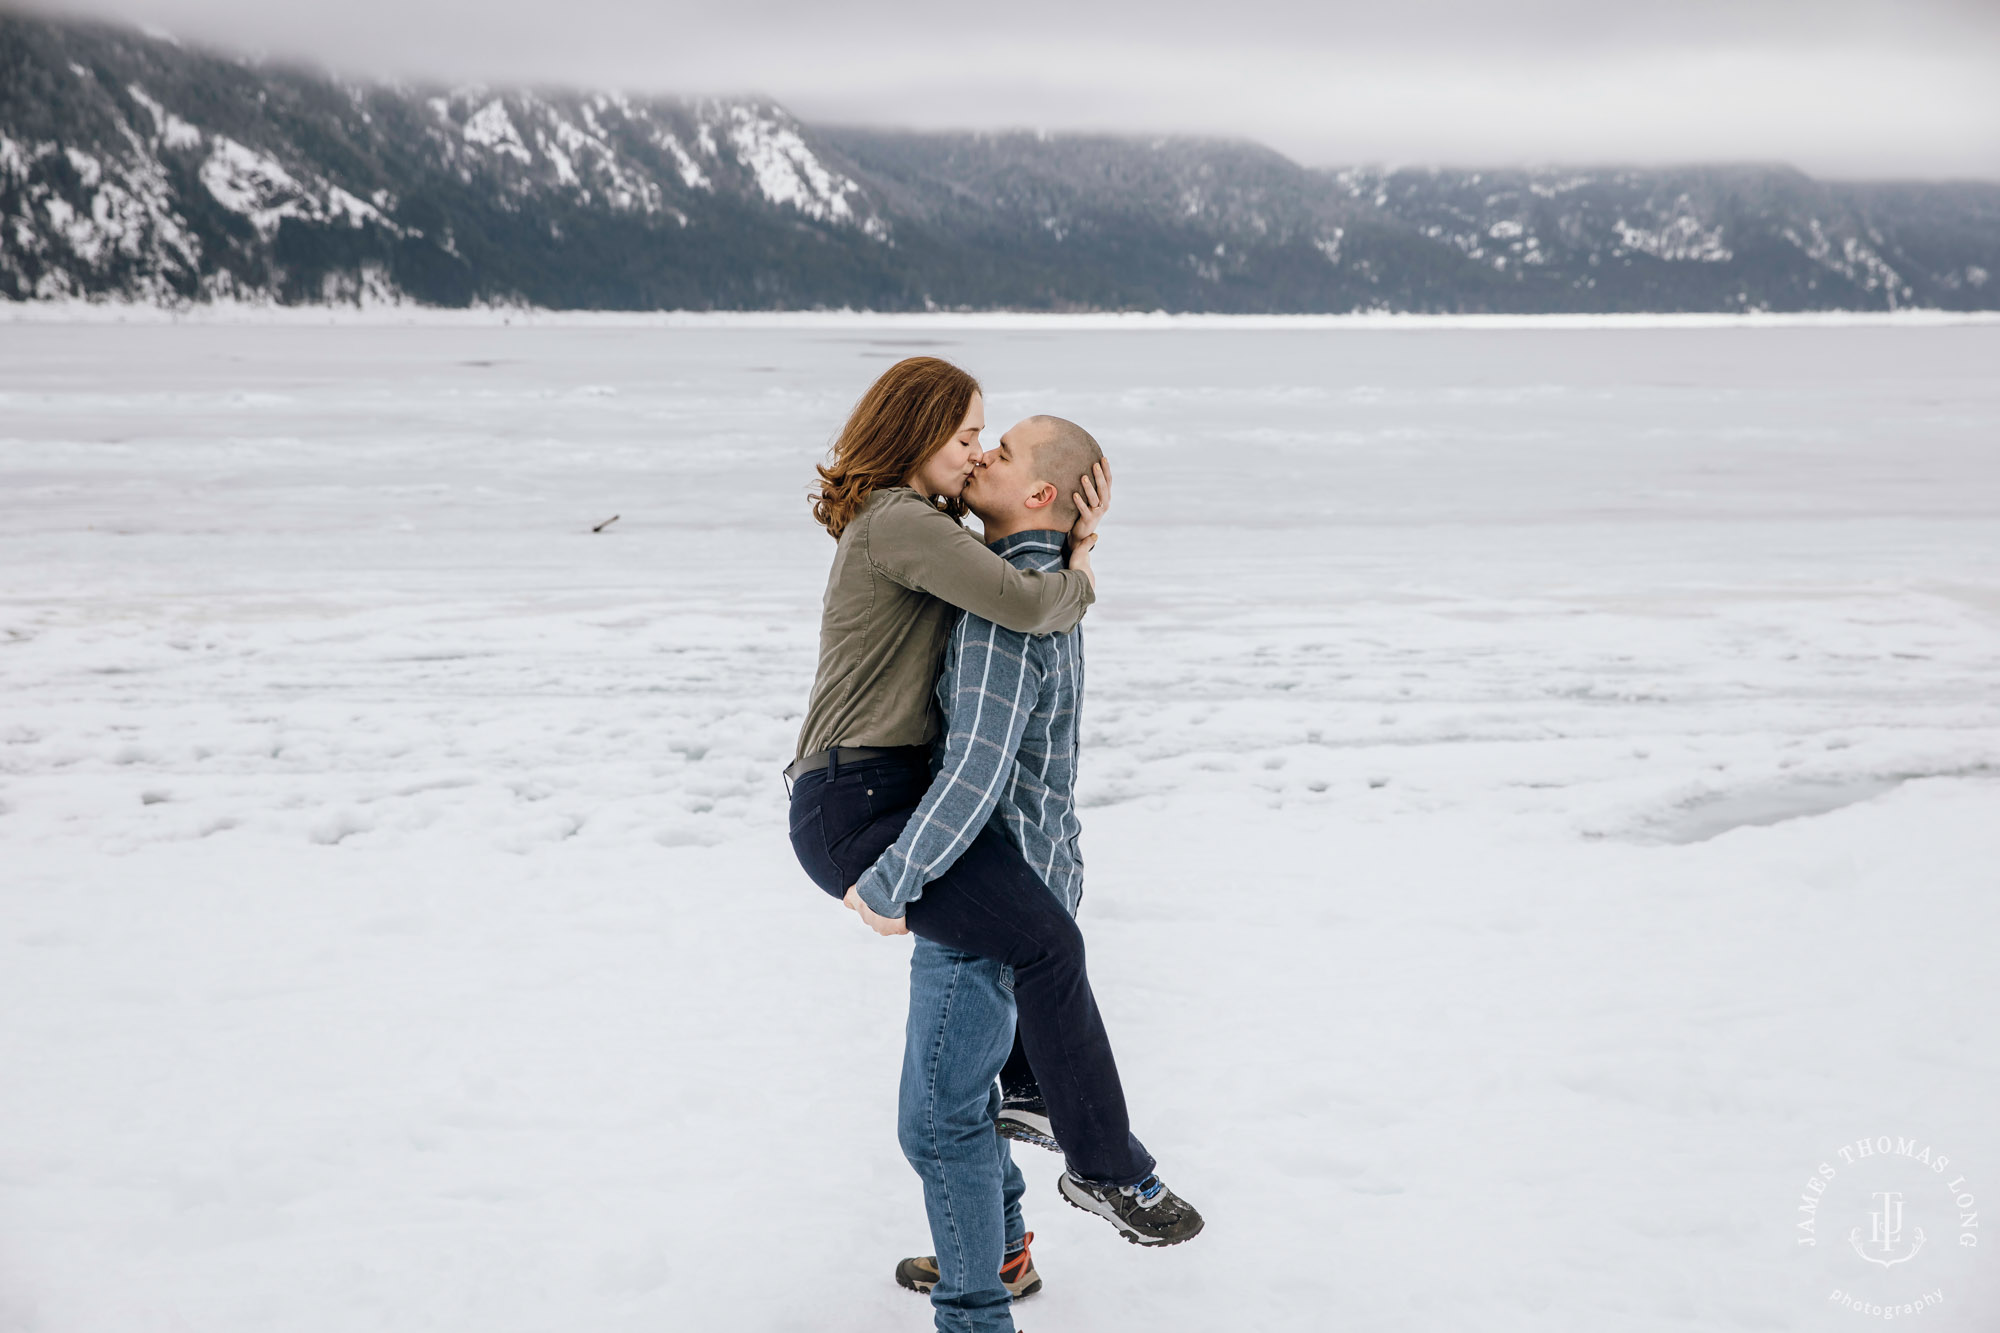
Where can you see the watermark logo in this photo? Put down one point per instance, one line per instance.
(1887, 1232)
(1891, 1226)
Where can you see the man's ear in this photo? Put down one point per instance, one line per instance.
(1041, 497)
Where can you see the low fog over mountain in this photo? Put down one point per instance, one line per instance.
(134, 168)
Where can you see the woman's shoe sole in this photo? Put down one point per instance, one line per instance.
(1022, 1132)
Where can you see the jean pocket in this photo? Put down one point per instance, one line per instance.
(892, 792)
(860, 797)
(809, 845)
(804, 811)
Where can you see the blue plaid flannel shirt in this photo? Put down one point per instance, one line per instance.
(1011, 704)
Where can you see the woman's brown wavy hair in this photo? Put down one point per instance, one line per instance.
(905, 417)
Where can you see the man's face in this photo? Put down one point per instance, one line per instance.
(1005, 480)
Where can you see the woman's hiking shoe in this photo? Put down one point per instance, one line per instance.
(1017, 1270)
(1147, 1213)
(1026, 1120)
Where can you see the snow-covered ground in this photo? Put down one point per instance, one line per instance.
(1543, 800)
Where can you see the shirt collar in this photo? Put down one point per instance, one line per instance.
(1024, 547)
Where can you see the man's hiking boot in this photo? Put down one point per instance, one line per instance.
(1017, 1270)
(1147, 1213)
(1025, 1119)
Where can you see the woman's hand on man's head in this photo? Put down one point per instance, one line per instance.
(1092, 499)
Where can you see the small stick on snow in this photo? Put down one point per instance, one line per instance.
(605, 524)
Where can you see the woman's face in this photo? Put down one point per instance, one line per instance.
(946, 471)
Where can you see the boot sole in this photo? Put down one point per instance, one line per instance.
(1022, 1132)
(1124, 1228)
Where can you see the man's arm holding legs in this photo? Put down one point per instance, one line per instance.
(995, 686)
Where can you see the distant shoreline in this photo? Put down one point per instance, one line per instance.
(95, 312)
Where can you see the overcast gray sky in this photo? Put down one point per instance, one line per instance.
(1838, 87)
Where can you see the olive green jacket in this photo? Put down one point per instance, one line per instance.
(902, 572)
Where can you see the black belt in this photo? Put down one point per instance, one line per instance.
(850, 754)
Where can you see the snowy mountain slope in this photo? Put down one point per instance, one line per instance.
(130, 166)
(1756, 237)
(1227, 226)
(134, 168)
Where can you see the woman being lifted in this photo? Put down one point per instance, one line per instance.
(904, 569)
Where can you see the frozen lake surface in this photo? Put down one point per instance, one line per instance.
(1543, 801)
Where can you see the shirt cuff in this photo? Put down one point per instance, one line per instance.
(872, 890)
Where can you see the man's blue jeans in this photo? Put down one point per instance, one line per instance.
(960, 1032)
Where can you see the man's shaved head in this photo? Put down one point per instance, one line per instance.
(1064, 451)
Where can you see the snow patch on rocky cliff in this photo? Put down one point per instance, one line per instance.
(78, 219)
(692, 175)
(785, 168)
(1853, 259)
(257, 187)
(787, 172)
(168, 128)
(625, 188)
(492, 128)
(1682, 237)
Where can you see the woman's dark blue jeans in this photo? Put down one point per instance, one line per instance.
(990, 903)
